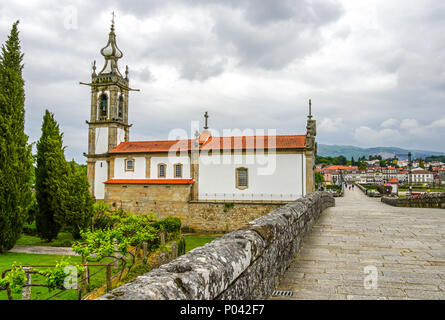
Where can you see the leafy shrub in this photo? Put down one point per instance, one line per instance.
(228, 205)
(15, 278)
(169, 224)
(333, 187)
(30, 229)
(181, 246)
(104, 218)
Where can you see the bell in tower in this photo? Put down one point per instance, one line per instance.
(108, 124)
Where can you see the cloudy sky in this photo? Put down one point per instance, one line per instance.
(375, 70)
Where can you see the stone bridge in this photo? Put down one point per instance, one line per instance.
(316, 251)
(405, 245)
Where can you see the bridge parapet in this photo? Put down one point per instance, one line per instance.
(426, 200)
(244, 264)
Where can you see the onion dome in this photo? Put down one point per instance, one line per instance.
(111, 54)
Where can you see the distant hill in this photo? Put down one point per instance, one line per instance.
(356, 152)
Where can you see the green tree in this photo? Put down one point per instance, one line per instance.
(342, 160)
(79, 203)
(51, 178)
(421, 163)
(319, 179)
(382, 163)
(362, 165)
(15, 152)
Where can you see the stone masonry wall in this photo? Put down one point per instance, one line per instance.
(173, 200)
(244, 264)
(218, 217)
(426, 200)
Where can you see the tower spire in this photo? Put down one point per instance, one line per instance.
(111, 53)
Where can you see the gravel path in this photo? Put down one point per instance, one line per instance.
(43, 250)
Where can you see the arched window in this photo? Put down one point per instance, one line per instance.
(103, 106)
(120, 108)
(178, 170)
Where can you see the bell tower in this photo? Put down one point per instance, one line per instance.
(108, 125)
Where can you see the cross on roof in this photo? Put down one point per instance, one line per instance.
(310, 109)
(112, 15)
(206, 116)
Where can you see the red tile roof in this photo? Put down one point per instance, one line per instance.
(393, 180)
(340, 167)
(150, 181)
(255, 142)
(214, 143)
(151, 146)
(204, 136)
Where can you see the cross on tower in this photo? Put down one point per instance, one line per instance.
(112, 19)
(206, 116)
(310, 109)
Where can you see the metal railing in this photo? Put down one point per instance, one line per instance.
(247, 197)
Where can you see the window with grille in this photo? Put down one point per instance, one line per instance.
(242, 178)
(178, 170)
(129, 165)
(161, 170)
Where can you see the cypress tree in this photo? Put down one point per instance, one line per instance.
(15, 152)
(79, 203)
(51, 178)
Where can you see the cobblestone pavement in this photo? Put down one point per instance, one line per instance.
(43, 250)
(405, 245)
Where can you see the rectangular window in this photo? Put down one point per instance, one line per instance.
(241, 178)
(161, 171)
(129, 165)
(178, 171)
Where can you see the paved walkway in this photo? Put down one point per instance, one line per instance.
(43, 250)
(405, 245)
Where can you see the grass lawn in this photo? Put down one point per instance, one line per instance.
(40, 293)
(192, 242)
(64, 239)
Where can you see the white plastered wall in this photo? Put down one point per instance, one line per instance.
(137, 173)
(274, 177)
(101, 140)
(100, 176)
(170, 162)
(120, 135)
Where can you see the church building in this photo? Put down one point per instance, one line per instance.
(213, 183)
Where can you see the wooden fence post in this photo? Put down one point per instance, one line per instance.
(26, 291)
(85, 276)
(144, 252)
(163, 238)
(116, 252)
(79, 293)
(109, 278)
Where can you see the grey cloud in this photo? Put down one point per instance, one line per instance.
(274, 34)
(267, 42)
